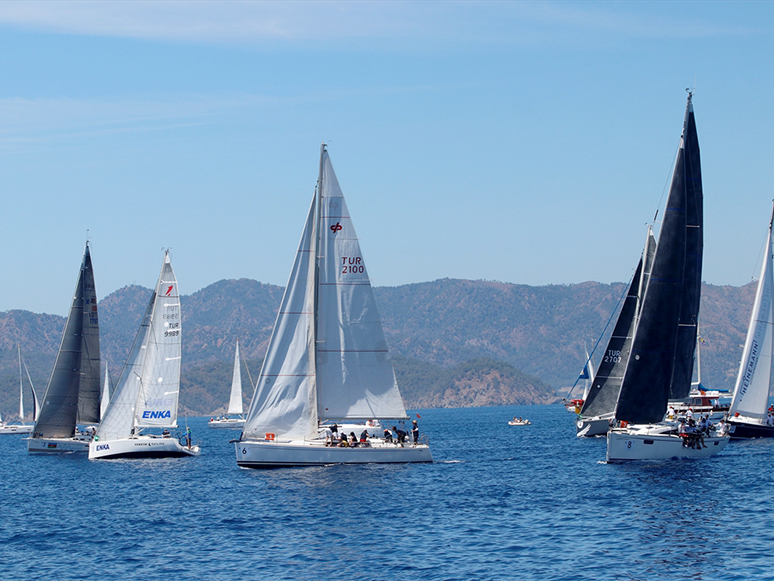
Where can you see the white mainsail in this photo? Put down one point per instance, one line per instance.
(147, 391)
(751, 392)
(327, 357)
(235, 401)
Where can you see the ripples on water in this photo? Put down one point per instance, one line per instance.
(500, 502)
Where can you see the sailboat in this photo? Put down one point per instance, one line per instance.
(587, 374)
(327, 360)
(72, 393)
(147, 391)
(598, 409)
(235, 401)
(747, 414)
(105, 399)
(659, 365)
(22, 428)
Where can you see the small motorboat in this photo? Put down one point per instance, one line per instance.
(519, 422)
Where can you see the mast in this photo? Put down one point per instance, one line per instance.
(313, 396)
(21, 386)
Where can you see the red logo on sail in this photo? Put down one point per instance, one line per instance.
(169, 290)
(336, 227)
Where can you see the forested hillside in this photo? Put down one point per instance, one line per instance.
(454, 342)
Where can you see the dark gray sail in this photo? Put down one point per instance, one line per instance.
(59, 408)
(603, 395)
(671, 299)
(688, 176)
(89, 388)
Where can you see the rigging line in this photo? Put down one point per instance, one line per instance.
(252, 385)
(758, 261)
(615, 311)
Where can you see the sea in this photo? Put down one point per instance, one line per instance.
(498, 502)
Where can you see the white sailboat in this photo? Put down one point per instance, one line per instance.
(659, 365)
(105, 399)
(748, 416)
(147, 392)
(235, 401)
(22, 428)
(327, 359)
(72, 393)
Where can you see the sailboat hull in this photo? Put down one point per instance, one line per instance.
(656, 443)
(141, 447)
(266, 454)
(229, 423)
(744, 430)
(57, 445)
(590, 427)
(16, 429)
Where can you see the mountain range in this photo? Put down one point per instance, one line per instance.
(454, 342)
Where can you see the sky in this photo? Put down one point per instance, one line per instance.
(523, 142)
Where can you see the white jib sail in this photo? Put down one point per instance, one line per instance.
(21, 387)
(355, 378)
(751, 393)
(105, 399)
(235, 401)
(281, 404)
(118, 420)
(160, 383)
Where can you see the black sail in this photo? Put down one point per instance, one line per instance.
(666, 330)
(89, 385)
(59, 408)
(603, 395)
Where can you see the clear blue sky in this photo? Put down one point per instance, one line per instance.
(525, 142)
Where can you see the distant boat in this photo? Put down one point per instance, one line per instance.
(147, 392)
(235, 401)
(105, 399)
(660, 362)
(327, 360)
(574, 405)
(22, 428)
(72, 393)
(747, 414)
(519, 422)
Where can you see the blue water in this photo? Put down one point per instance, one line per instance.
(499, 502)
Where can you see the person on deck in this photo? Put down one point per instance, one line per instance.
(415, 431)
(387, 435)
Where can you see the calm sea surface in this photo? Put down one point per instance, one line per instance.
(499, 502)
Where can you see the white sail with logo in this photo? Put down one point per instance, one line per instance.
(235, 401)
(751, 393)
(355, 378)
(146, 393)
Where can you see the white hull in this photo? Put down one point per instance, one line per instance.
(140, 447)
(656, 443)
(61, 445)
(16, 429)
(265, 454)
(524, 423)
(590, 427)
(229, 423)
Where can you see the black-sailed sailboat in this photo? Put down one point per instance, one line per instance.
(659, 366)
(72, 393)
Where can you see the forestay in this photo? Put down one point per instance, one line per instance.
(751, 393)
